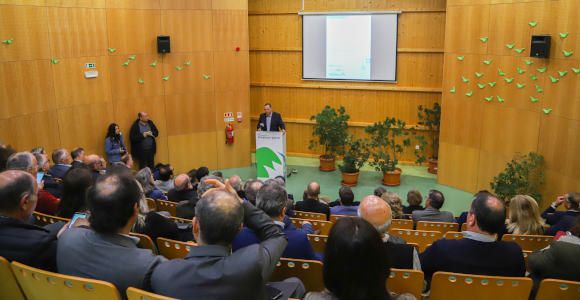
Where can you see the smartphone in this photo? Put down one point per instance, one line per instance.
(39, 176)
(76, 216)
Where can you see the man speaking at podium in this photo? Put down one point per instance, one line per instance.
(270, 121)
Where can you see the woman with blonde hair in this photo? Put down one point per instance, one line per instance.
(396, 204)
(524, 216)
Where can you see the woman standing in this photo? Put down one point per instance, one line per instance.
(114, 145)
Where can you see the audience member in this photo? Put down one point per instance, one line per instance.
(94, 163)
(50, 185)
(5, 153)
(378, 212)
(164, 183)
(236, 183)
(78, 156)
(2, 145)
(218, 174)
(414, 199)
(282, 182)
(156, 172)
(571, 236)
(432, 212)
(562, 220)
(396, 204)
(145, 178)
(200, 173)
(251, 190)
(61, 160)
(114, 144)
(127, 159)
(524, 216)
(379, 191)
(193, 178)
(355, 264)
(312, 204)
(75, 183)
(279, 180)
(182, 191)
(186, 208)
(210, 270)
(108, 252)
(40, 150)
(346, 207)
(120, 169)
(142, 135)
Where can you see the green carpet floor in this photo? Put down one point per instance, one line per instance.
(413, 178)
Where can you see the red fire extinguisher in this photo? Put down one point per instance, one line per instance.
(229, 134)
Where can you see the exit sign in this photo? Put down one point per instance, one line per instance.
(228, 115)
(90, 66)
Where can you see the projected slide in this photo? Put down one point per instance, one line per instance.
(348, 47)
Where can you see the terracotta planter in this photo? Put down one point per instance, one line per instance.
(350, 179)
(432, 166)
(327, 164)
(392, 178)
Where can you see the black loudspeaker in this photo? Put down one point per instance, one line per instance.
(540, 46)
(163, 45)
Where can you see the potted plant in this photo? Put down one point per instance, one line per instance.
(355, 155)
(330, 129)
(388, 141)
(430, 119)
(522, 176)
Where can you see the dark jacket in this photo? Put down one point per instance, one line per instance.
(136, 137)
(312, 205)
(156, 195)
(559, 261)
(560, 220)
(96, 175)
(274, 123)
(411, 208)
(51, 186)
(157, 225)
(178, 196)
(58, 171)
(186, 208)
(400, 255)
(27, 244)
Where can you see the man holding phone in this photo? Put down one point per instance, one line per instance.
(562, 220)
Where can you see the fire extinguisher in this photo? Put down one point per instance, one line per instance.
(229, 134)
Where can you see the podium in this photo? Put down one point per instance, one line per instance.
(270, 154)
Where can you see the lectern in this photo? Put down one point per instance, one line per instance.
(270, 154)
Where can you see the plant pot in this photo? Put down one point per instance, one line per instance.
(432, 166)
(392, 178)
(327, 164)
(350, 179)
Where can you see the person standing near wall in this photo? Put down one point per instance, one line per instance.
(142, 136)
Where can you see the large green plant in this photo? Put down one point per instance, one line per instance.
(430, 119)
(330, 129)
(522, 176)
(356, 155)
(387, 143)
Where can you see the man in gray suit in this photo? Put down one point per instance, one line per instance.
(108, 252)
(434, 202)
(210, 270)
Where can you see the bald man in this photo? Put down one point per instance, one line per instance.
(236, 183)
(311, 203)
(182, 190)
(378, 213)
(142, 135)
(94, 162)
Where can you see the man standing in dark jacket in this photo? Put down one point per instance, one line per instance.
(142, 135)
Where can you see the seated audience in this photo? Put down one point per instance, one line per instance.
(279, 180)
(114, 144)
(218, 174)
(78, 156)
(355, 264)
(145, 178)
(379, 191)
(127, 160)
(236, 183)
(182, 190)
(282, 182)
(524, 216)
(75, 184)
(106, 251)
(5, 153)
(346, 207)
(251, 189)
(201, 172)
(414, 199)
(210, 270)
(562, 220)
(158, 167)
(396, 204)
(432, 212)
(164, 183)
(94, 163)
(61, 160)
(378, 212)
(50, 185)
(478, 252)
(186, 208)
(311, 204)
(39, 150)
(102, 166)
(193, 178)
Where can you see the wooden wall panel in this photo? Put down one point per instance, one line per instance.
(26, 87)
(190, 113)
(125, 79)
(230, 29)
(179, 24)
(133, 31)
(232, 70)
(185, 4)
(474, 22)
(458, 167)
(275, 31)
(30, 131)
(24, 2)
(132, 4)
(162, 155)
(421, 30)
(230, 4)
(558, 142)
(490, 165)
(72, 88)
(562, 96)
(323, 5)
(183, 157)
(466, 2)
(190, 79)
(77, 32)
(462, 121)
(564, 19)
(556, 185)
(27, 26)
(274, 5)
(456, 70)
(234, 155)
(125, 113)
(232, 101)
(77, 3)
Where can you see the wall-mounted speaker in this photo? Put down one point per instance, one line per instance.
(163, 45)
(540, 46)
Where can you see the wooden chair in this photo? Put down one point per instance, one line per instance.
(446, 285)
(152, 205)
(545, 227)
(464, 227)
(406, 281)
(529, 242)
(309, 271)
(58, 180)
(334, 218)
(310, 216)
(553, 289)
(324, 226)
(137, 294)
(43, 219)
(526, 255)
(145, 241)
(318, 242)
(420, 237)
(442, 227)
(456, 218)
(39, 284)
(181, 221)
(415, 245)
(453, 235)
(167, 206)
(173, 249)
(9, 287)
(402, 224)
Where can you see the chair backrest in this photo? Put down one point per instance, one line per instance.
(318, 242)
(456, 217)
(145, 241)
(334, 218)
(173, 249)
(446, 285)
(58, 180)
(529, 242)
(406, 281)
(137, 294)
(310, 216)
(152, 205)
(545, 227)
(464, 227)
(421, 237)
(39, 284)
(167, 206)
(324, 226)
(442, 227)
(181, 221)
(43, 219)
(415, 245)
(526, 254)
(308, 271)
(453, 235)
(553, 289)
(9, 287)
(401, 224)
